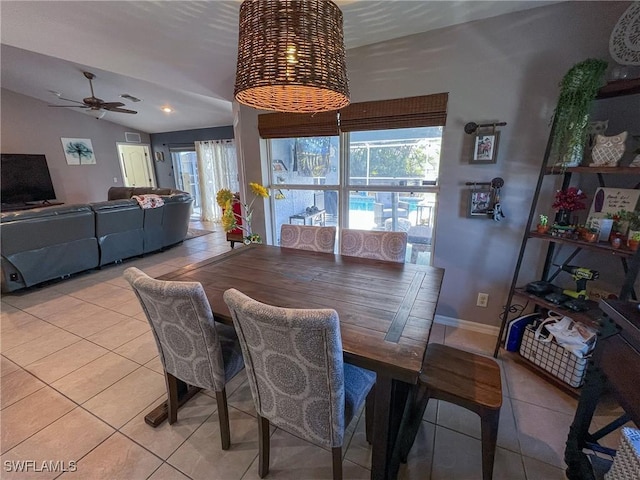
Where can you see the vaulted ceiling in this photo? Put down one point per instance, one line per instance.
(179, 54)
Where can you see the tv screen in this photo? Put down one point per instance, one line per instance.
(25, 178)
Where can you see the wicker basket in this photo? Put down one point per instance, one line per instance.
(548, 355)
(626, 465)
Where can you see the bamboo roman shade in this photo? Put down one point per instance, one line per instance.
(423, 111)
(291, 125)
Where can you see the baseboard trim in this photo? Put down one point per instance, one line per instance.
(467, 325)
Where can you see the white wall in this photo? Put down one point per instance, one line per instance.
(29, 126)
(505, 68)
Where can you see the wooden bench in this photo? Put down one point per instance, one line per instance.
(462, 378)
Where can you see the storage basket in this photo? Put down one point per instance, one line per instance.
(626, 464)
(550, 356)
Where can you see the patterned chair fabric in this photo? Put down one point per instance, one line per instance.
(296, 372)
(387, 246)
(314, 239)
(191, 345)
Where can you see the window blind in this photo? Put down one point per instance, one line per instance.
(291, 125)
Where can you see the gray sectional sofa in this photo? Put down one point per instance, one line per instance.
(53, 242)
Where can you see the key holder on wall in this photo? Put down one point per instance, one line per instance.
(485, 149)
(484, 199)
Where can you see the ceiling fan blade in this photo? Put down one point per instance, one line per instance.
(69, 100)
(69, 106)
(108, 105)
(119, 110)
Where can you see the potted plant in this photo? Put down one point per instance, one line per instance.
(634, 241)
(543, 226)
(633, 219)
(578, 88)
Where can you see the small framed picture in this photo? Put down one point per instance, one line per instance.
(486, 148)
(479, 202)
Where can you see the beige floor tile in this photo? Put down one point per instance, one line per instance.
(29, 352)
(77, 283)
(241, 399)
(526, 386)
(285, 462)
(53, 306)
(117, 458)
(155, 364)
(96, 292)
(133, 395)
(23, 299)
(81, 313)
(23, 328)
(418, 466)
(130, 308)
(165, 439)
(94, 377)
(67, 439)
(537, 470)
(7, 366)
(167, 472)
(65, 361)
(459, 456)
(437, 333)
(465, 421)
(469, 340)
(201, 457)
(119, 334)
(542, 432)
(140, 350)
(96, 323)
(357, 449)
(16, 386)
(116, 299)
(31, 414)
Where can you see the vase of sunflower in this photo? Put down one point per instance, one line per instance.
(234, 220)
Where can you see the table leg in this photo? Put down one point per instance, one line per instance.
(160, 413)
(390, 399)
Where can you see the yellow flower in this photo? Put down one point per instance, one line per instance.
(259, 190)
(223, 197)
(228, 218)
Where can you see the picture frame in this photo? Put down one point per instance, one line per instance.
(485, 148)
(479, 202)
(78, 151)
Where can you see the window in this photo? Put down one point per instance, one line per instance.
(378, 172)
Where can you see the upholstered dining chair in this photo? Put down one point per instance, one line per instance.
(192, 346)
(307, 237)
(296, 373)
(387, 246)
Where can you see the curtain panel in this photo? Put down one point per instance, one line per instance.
(217, 169)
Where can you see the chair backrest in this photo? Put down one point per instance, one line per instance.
(315, 239)
(293, 358)
(387, 246)
(182, 323)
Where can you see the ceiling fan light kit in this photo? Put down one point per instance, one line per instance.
(93, 102)
(291, 56)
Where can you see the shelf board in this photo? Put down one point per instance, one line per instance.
(520, 360)
(620, 87)
(605, 170)
(589, 317)
(602, 247)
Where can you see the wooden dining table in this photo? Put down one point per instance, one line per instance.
(386, 311)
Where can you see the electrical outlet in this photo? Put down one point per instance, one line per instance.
(115, 179)
(483, 299)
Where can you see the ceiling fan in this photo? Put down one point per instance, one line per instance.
(93, 102)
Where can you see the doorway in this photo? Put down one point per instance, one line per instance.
(135, 165)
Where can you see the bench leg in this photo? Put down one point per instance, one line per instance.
(489, 423)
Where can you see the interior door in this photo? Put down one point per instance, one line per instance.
(135, 164)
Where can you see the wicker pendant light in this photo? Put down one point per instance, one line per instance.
(291, 56)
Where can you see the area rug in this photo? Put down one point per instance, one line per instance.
(196, 232)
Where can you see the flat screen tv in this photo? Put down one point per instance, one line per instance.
(25, 178)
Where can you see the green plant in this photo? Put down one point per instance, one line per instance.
(633, 218)
(544, 220)
(578, 88)
(635, 237)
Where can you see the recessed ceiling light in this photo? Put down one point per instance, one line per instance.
(167, 109)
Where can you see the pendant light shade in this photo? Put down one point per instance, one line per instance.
(291, 56)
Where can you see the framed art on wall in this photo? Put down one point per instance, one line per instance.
(78, 151)
(486, 148)
(479, 202)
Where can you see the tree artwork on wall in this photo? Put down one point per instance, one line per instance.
(78, 151)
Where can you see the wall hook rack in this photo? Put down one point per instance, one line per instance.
(473, 127)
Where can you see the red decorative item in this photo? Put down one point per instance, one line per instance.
(570, 200)
(237, 211)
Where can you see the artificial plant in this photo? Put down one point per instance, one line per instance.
(578, 88)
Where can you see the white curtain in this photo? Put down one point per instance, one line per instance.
(217, 168)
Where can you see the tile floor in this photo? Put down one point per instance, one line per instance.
(79, 370)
